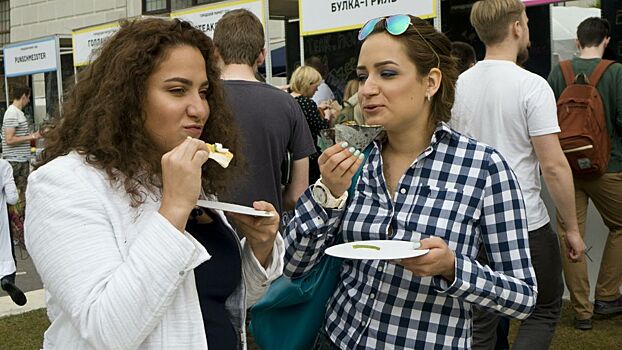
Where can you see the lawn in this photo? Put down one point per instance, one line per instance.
(25, 332)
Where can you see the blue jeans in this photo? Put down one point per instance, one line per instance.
(537, 331)
(323, 342)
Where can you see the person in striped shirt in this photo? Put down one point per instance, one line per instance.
(16, 138)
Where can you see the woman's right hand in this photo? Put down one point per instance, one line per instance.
(181, 180)
(338, 164)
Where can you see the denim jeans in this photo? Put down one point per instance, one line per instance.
(535, 332)
(323, 342)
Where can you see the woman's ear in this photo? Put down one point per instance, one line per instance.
(434, 81)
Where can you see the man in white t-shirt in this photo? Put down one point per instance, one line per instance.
(514, 110)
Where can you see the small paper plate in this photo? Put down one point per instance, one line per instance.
(234, 208)
(377, 250)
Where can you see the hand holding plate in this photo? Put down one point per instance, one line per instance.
(260, 232)
(439, 261)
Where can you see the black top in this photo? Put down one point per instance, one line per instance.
(316, 123)
(216, 279)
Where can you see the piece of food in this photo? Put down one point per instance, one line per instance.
(357, 136)
(365, 246)
(220, 154)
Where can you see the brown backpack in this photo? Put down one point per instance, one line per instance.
(581, 115)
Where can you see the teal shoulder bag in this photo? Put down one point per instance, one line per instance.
(290, 314)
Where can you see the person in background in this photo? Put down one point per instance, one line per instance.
(16, 139)
(422, 183)
(513, 110)
(8, 195)
(350, 110)
(605, 191)
(271, 122)
(324, 93)
(303, 84)
(465, 54)
(351, 89)
(127, 259)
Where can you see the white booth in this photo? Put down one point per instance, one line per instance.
(328, 31)
(41, 60)
(205, 18)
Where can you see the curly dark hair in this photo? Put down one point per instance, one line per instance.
(103, 118)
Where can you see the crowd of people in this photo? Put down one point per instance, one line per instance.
(130, 261)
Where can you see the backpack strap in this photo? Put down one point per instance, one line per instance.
(599, 71)
(567, 71)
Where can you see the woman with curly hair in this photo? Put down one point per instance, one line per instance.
(127, 259)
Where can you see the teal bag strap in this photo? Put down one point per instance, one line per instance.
(355, 178)
(291, 313)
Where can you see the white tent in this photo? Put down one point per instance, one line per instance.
(564, 23)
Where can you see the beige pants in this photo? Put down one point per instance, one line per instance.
(606, 194)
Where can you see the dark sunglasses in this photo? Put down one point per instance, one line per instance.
(394, 25)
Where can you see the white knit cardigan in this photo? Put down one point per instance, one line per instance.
(118, 277)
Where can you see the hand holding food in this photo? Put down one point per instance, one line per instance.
(181, 180)
(338, 164)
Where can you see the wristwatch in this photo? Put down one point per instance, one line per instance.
(325, 198)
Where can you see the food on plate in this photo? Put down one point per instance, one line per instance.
(365, 246)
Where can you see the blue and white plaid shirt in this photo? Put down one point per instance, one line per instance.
(458, 189)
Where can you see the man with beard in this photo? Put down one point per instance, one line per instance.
(514, 111)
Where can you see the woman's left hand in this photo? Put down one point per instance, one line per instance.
(260, 232)
(440, 260)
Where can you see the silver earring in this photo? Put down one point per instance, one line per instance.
(428, 97)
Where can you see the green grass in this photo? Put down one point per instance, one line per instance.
(606, 334)
(25, 332)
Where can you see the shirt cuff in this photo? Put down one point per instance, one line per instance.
(444, 287)
(255, 272)
(160, 238)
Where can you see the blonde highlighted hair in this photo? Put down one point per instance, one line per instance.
(491, 18)
(302, 79)
(352, 87)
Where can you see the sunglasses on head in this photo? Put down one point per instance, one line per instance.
(394, 25)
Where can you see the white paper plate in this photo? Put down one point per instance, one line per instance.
(234, 208)
(377, 250)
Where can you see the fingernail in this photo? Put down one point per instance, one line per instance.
(344, 144)
(362, 156)
(357, 152)
(351, 149)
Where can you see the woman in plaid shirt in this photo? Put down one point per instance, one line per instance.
(422, 182)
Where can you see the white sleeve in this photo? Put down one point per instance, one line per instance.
(256, 278)
(113, 301)
(323, 93)
(541, 108)
(10, 190)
